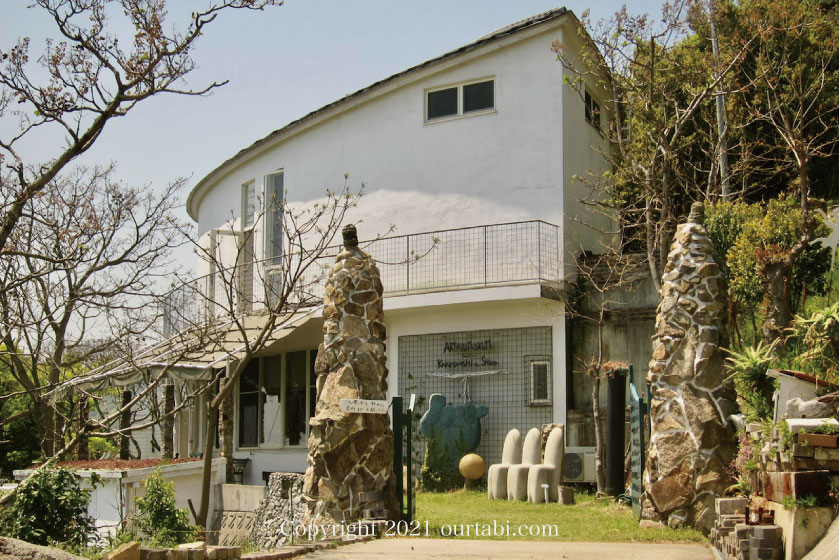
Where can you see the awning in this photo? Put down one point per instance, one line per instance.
(193, 355)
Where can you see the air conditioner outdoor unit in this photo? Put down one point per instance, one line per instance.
(579, 464)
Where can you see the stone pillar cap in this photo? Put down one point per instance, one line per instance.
(698, 213)
(351, 240)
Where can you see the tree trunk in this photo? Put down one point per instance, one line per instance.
(226, 436)
(209, 441)
(46, 421)
(168, 424)
(83, 449)
(600, 477)
(777, 315)
(125, 423)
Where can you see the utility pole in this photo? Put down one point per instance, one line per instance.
(721, 115)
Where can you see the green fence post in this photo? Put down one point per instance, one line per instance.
(397, 425)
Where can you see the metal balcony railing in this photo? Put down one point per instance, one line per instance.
(452, 259)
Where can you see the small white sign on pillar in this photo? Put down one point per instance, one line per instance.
(363, 406)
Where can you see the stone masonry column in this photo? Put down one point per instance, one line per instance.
(692, 439)
(351, 456)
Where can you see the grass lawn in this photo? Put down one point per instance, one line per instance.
(470, 514)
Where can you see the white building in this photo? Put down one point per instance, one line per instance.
(476, 148)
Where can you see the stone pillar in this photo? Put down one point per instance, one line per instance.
(692, 439)
(351, 456)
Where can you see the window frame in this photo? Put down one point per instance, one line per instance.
(249, 205)
(460, 113)
(530, 369)
(311, 354)
(591, 110)
(271, 246)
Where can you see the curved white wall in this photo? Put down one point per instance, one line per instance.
(506, 165)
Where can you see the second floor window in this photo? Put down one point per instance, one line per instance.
(591, 110)
(249, 196)
(274, 195)
(459, 100)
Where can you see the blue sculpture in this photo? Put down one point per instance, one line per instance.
(457, 426)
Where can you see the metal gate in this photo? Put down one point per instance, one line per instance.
(405, 460)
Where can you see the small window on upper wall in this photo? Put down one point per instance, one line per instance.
(460, 100)
(591, 110)
(540, 379)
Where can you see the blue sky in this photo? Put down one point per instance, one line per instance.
(281, 63)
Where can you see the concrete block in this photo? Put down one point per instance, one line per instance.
(765, 554)
(772, 542)
(241, 497)
(803, 450)
(766, 531)
(778, 485)
(826, 453)
(744, 545)
(729, 506)
(802, 528)
(126, 551)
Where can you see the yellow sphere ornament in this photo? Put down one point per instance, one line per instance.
(471, 466)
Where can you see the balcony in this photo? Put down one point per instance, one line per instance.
(453, 259)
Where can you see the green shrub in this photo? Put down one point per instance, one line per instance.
(437, 473)
(50, 508)
(160, 521)
(755, 388)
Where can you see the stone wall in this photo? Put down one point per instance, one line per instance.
(351, 456)
(281, 511)
(692, 439)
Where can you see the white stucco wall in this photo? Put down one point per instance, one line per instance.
(506, 165)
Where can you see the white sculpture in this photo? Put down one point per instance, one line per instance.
(517, 476)
(550, 472)
(497, 474)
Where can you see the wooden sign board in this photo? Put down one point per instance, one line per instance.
(363, 406)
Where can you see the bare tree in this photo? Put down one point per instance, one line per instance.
(243, 302)
(86, 76)
(80, 270)
(655, 83)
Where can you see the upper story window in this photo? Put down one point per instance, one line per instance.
(274, 195)
(591, 110)
(459, 100)
(249, 196)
